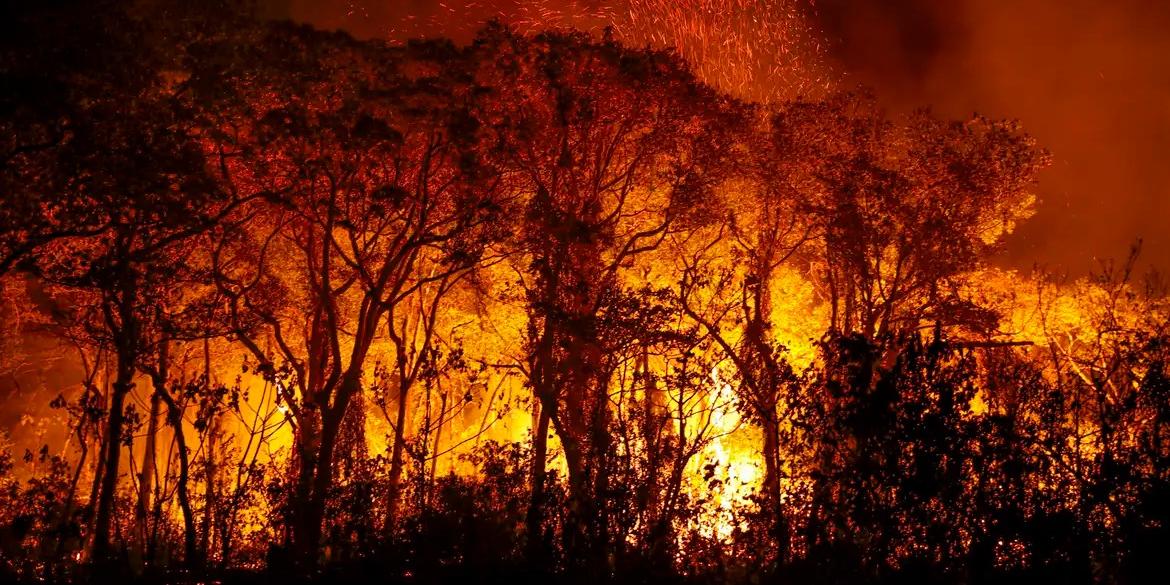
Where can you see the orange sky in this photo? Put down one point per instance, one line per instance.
(1089, 78)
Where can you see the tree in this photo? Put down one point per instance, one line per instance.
(106, 181)
(728, 277)
(902, 206)
(613, 149)
(376, 195)
(145, 177)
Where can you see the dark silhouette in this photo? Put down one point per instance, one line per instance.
(527, 309)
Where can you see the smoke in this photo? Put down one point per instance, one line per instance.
(1089, 79)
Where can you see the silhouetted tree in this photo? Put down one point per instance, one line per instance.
(612, 148)
(375, 196)
(903, 206)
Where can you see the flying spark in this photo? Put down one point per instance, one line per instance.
(765, 50)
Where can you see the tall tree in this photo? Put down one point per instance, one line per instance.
(376, 194)
(613, 149)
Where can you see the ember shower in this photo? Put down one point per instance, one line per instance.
(626, 292)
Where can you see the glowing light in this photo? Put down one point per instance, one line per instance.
(758, 49)
(735, 472)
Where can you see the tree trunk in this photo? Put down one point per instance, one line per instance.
(584, 523)
(575, 532)
(113, 452)
(651, 427)
(301, 502)
(121, 321)
(534, 520)
(319, 496)
(394, 488)
(322, 473)
(175, 419)
(773, 487)
(600, 448)
(146, 479)
(213, 431)
(209, 490)
(99, 459)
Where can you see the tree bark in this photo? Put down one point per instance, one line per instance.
(146, 479)
(321, 473)
(772, 485)
(534, 519)
(394, 489)
(175, 420)
(113, 452)
(209, 473)
(121, 320)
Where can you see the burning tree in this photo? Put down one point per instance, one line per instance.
(613, 150)
(651, 331)
(903, 207)
(374, 193)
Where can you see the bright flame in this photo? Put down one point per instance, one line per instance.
(734, 472)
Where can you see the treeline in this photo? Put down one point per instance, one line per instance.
(261, 241)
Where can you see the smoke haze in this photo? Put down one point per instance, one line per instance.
(1090, 79)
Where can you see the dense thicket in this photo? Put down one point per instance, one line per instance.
(296, 271)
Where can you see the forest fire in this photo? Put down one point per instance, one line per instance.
(558, 291)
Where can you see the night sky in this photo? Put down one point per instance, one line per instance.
(1089, 78)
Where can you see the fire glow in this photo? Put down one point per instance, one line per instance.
(604, 292)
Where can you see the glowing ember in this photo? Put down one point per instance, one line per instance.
(758, 49)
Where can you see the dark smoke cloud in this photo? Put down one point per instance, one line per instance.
(1090, 79)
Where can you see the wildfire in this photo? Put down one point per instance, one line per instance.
(728, 471)
(546, 303)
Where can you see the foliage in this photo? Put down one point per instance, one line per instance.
(521, 309)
